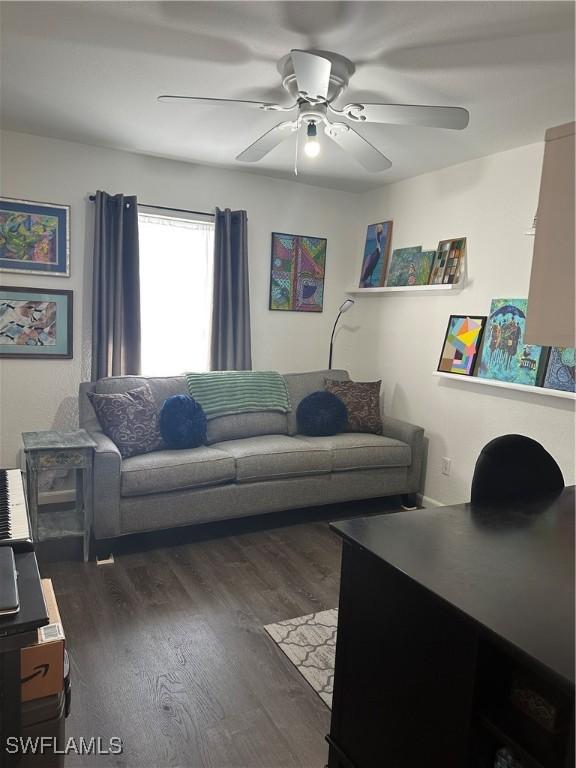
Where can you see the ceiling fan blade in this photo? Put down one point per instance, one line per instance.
(267, 142)
(455, 118)
(265, 106)
(362, 151)
(312, 75)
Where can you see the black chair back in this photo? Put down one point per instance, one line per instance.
(512, 468)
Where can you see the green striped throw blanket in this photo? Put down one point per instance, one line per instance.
(221, 393)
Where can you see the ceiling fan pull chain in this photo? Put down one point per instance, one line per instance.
(296, 154)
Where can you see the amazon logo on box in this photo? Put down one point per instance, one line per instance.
(42, 664)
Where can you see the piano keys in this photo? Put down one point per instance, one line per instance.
(15, 528)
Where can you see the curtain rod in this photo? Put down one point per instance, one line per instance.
(165, 208)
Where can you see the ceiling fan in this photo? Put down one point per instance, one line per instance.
(316, 79)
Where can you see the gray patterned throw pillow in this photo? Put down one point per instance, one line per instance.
(130, 419)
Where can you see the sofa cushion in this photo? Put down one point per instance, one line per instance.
(173, 470)
(270, 457)
(239, 425)
(359, 450)
(222, 427)
(302, 384)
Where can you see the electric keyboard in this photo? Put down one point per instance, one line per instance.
(14, 521)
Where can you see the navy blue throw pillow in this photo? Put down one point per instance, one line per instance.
(182, 422)
(321, 413)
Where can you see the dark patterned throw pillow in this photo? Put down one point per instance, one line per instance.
(362, 399)
(130, 419)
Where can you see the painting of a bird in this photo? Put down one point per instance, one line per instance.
(375, 254)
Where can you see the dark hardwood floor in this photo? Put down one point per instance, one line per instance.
(168, 650)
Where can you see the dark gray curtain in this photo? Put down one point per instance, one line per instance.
(116, 287)
(231, 347)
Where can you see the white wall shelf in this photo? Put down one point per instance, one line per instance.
(506, 385)
(448, 288)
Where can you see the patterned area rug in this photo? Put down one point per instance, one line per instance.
(310, 644)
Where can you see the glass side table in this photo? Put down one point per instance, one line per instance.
(60, 450)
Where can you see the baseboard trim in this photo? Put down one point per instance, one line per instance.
(427, 501)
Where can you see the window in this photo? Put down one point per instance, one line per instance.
(176, 265)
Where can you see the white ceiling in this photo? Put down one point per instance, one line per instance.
(91, 72)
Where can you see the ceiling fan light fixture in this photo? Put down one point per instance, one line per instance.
(312, 146)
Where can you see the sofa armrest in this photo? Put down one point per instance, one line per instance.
(414, 437)
(106, 501)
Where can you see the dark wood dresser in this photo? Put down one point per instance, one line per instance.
(456, 638)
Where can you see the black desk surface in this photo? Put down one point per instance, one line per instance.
(32, 613)
(508, 567)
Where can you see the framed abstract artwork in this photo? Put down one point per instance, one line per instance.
(462, 344)
(448, 262)
(376, 254)
(297, 273)
(34, 237)
(505, 356)
(35, 323)
(409, 266)
(560, 370)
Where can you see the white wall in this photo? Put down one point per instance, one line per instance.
(492, 202)
(398, 338)
(41, 394)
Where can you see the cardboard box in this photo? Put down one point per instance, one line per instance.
(42, 664)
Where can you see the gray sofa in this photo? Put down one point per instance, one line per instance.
(254, 463)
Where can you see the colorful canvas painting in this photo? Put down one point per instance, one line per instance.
(35, 323)
(376, 253)
(34, 237)
(448, 262)
(297, 273)
(505, 356)
(409, 266)
(461, 344)
(560, 371)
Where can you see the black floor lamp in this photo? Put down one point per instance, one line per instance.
(344, 307)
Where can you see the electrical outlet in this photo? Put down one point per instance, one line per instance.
(446, 466)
